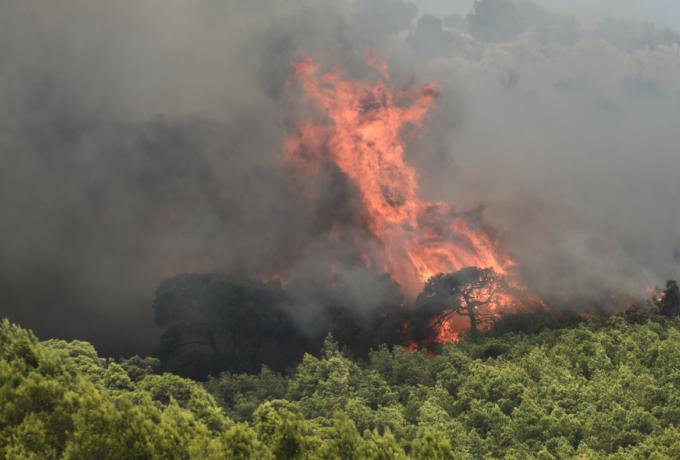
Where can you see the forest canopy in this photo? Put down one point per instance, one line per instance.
(592, 390)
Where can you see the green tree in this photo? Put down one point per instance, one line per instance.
(282, 428)
(431, 444)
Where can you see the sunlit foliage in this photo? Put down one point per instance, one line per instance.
(586, 391)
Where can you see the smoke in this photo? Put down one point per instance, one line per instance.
(568, 141)
(141, 139)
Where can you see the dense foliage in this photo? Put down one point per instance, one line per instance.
(61, 400)
(586, 391)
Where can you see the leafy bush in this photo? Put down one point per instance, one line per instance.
(590, 390)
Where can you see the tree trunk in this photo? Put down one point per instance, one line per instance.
(474, 332)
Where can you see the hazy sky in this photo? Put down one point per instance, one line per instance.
(662, 12)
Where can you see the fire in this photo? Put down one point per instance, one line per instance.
(360, 127)
(447, 327)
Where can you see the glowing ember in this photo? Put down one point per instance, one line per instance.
(359, 126)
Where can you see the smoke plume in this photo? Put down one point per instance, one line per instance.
(142, 139)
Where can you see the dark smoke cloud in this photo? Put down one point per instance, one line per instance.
(139, 139)
(142, 139)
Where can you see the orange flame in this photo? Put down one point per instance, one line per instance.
(359, 126)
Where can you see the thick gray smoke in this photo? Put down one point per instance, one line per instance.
(140, 139)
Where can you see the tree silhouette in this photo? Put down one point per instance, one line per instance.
(472, 292)
(669, 302)
(216, 322)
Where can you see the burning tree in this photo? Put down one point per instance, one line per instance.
(358, 128)
(475, 293)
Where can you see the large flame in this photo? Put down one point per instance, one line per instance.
(360, 127)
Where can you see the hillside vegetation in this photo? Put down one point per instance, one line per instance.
(589, 391)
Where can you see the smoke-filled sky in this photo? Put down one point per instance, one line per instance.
(662, 12)
(141, 139)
